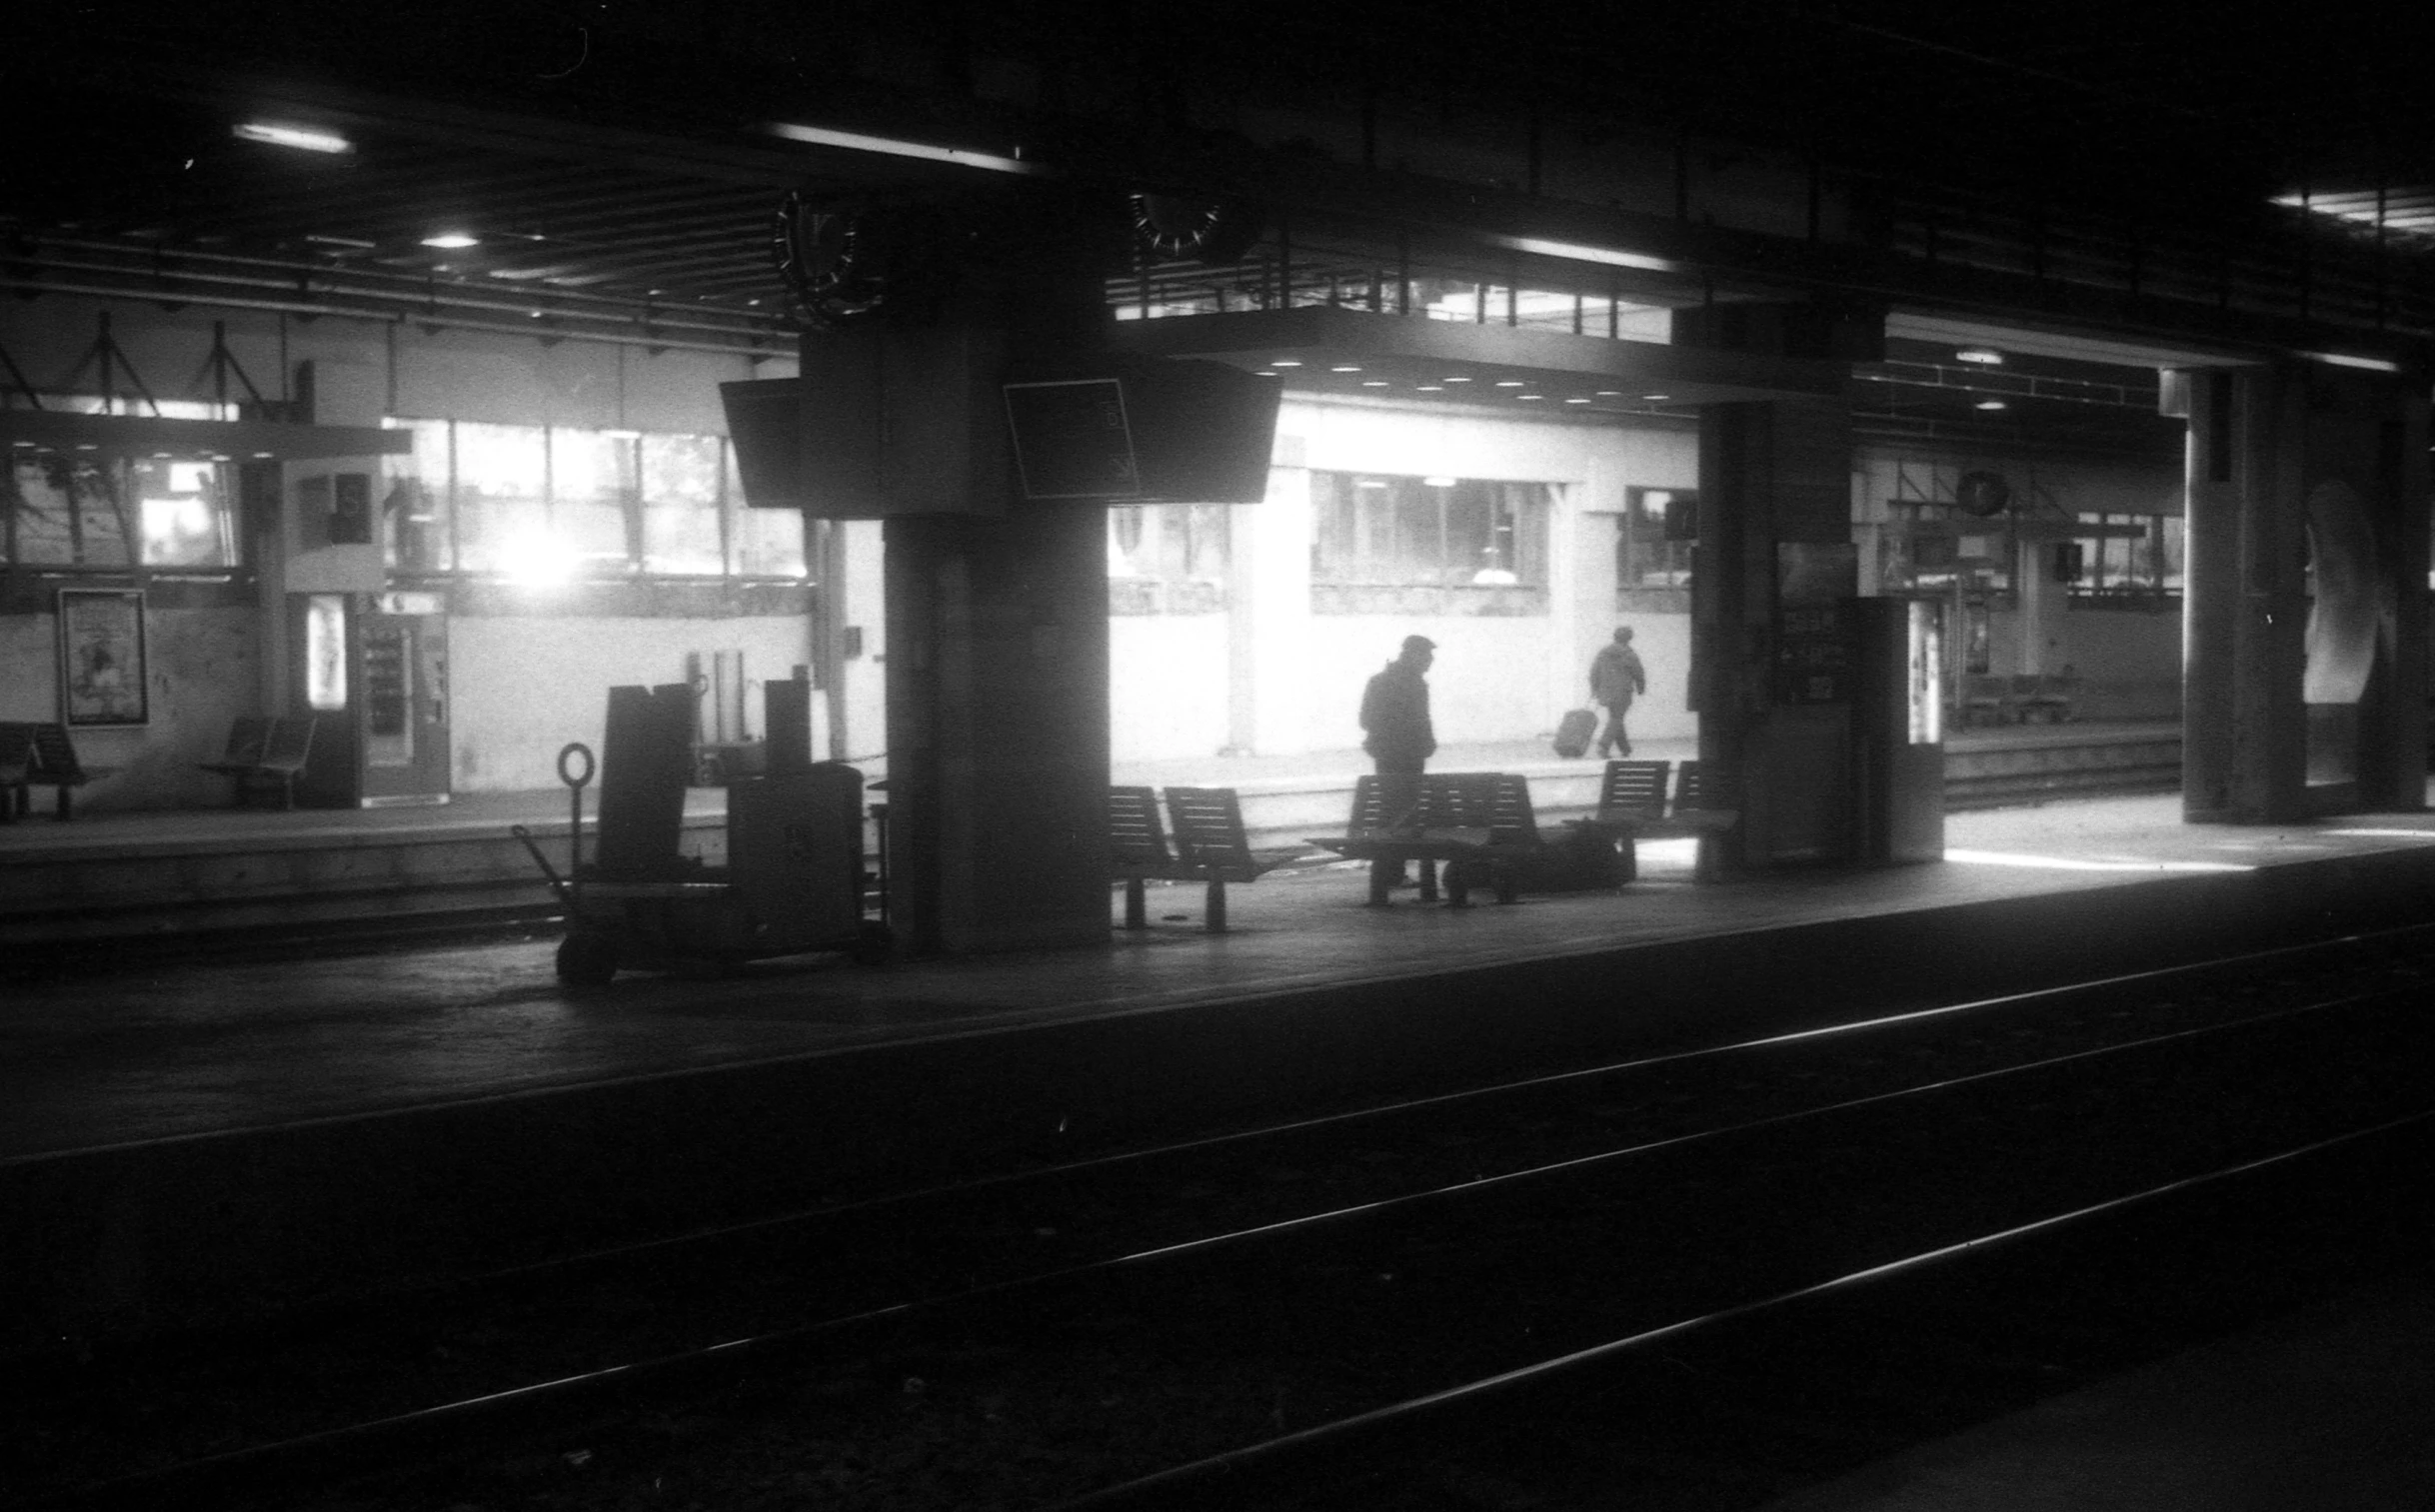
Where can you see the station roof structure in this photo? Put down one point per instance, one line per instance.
(611, 170)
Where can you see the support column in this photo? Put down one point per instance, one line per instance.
(1771, 474)
(996, 613)
(2266, 445)
(998, 729)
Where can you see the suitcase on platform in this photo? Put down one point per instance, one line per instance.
(1574, 733)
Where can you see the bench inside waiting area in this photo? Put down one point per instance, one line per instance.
(265, 757)
(37, 754)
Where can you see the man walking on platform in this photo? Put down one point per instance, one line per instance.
(1395, 728)
(1616, 677)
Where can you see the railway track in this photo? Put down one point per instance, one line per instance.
(1257, 1286)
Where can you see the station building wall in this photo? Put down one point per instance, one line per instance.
(530, 662)
(1260, 649)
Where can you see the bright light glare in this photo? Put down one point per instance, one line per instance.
(2389, 835)
(821, 136)
(452, 240)
(537, 558)
(301, 137)
(1577, 252)
(2345, 360)
(2075, 864)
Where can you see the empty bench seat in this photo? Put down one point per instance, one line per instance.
(1209, 846)
(265, 755)
(33, 754)
(1632, 806)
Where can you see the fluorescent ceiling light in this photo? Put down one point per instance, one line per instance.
(1990, 404)
(854, 140)
(1980, 354)
(1287, 361)
(1579, 253)
(304, 138)
(2345, 360)
(450, 239)
(1439, 481)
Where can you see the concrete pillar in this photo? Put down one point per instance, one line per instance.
(996, 615)
(1771, 475)
(998, 727)
(2262, 440)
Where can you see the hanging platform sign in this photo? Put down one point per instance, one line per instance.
(1071, 439)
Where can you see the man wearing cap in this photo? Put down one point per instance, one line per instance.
(1395, 726)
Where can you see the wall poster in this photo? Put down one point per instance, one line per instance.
(103, 674)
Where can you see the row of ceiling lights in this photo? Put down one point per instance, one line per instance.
(1451, 379)
(1274, 370)
(309, 139)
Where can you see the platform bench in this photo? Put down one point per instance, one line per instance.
(34, 753)
(1210, 847)
(265, 755)
(1632, 806)
(1456, 817)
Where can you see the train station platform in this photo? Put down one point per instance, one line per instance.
(199, 1141)
(175, 1134)
(110, 876)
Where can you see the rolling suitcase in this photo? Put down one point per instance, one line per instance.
(1574, 733)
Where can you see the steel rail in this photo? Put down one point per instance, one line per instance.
(1233, 1474)
(386, 1441)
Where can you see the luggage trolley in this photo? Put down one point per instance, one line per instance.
(793, 882)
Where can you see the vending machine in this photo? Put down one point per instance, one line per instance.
(372, 670)
(1899, 730)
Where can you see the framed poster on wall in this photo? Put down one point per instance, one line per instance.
(104, 677)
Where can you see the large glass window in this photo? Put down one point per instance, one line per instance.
(2127, 560)
(548, 504)
(592, 484)
(417, 535)
(502, 489)
(1379, 529)
(111, 513)
(1653, 541)
(682, 531)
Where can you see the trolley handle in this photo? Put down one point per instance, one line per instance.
(576, 781)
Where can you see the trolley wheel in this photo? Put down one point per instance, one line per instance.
(873, 945)
(587, 960)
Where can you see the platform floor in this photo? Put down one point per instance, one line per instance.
(38, 837)
(2330, 1410)
(105, 1059)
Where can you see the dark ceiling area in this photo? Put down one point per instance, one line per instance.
(613, 154)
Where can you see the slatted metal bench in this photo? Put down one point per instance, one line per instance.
(34, 753)
(1209, 846)
(1632, 806)
(1444, 817)
(265, 755)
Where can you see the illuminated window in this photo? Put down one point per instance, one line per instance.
(64, 508)
(1446, 533)
(680, 520)
(1653, 539)
(1166, 558)
(549, 503)
(2127, 560)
